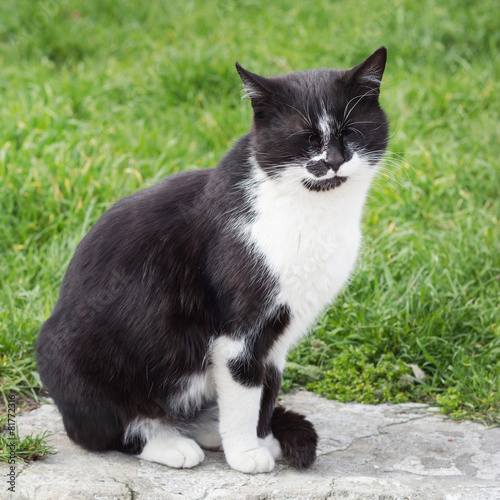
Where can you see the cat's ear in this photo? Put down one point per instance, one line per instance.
(258, 89)
(368, 74)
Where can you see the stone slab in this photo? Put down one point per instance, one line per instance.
(383, 452)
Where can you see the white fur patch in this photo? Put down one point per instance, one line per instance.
(273, 445)
(239, 408)
(164, 443)
(324, 126)
(146, 428)
(173, 450)
(238, 405)
(349, 168)
(309, 240)
(319, 157)
(198, 388)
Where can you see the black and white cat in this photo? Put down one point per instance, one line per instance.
(180, 305)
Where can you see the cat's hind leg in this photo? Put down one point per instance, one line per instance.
(165, 444)
(205, 429)
(272, 444)
(286, 431)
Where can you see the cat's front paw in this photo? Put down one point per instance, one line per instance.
(175, 451)
(252, 461)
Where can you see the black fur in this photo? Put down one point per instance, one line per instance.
(161, 275)
(272, 384)
(297, 437)
(251, 370)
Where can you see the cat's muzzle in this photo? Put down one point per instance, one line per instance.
(322, 169)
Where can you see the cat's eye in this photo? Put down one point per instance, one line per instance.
(314, 140)
(348, 134)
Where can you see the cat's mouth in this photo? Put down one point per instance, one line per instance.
(322, 176)
(323, 184)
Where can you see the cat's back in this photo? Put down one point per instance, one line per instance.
(133, 276)
(142, 225)
(145, 243)
(176, 200)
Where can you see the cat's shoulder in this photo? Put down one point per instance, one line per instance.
(175, 188)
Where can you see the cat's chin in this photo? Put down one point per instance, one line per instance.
(323, 184)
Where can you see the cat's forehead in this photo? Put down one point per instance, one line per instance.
(318, 92)
(313, 79)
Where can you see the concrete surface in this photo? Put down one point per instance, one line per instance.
(365, 452)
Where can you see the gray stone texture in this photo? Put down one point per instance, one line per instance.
(381, 452)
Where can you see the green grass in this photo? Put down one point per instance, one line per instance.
(28, 449)
(24, 450)
(14, 449)
(99, 99)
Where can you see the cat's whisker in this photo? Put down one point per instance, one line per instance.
(394, 159)
(371, 91)
(306, 119)
(384, 176)
(349, 123)
(299, 132)
(357, 131)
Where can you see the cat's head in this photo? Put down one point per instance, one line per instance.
(326, 125)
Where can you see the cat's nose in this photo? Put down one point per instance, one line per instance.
(335, 156)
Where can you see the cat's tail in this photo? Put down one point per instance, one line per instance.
(296, 435)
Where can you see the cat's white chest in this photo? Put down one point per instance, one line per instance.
(310, 242)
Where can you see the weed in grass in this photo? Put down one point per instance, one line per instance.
(355, 374)
(28, 449)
